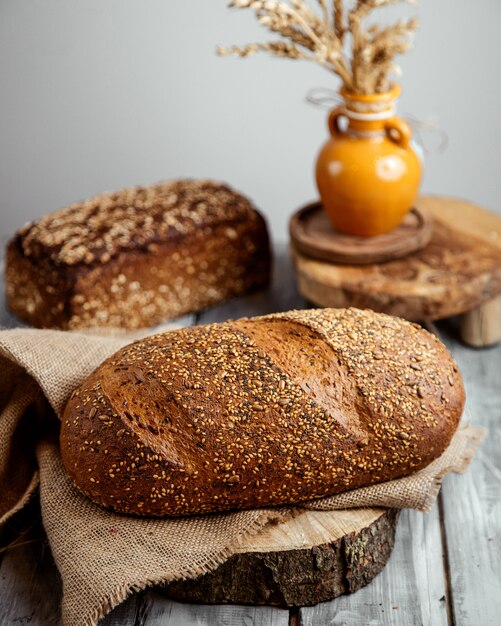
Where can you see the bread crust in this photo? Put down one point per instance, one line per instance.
(137, 257)
(265, 411)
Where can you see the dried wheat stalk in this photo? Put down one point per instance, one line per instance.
(320, 37)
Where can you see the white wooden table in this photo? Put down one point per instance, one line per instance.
(445, 568)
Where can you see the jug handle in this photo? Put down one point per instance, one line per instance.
(333, 121)
(399, 131)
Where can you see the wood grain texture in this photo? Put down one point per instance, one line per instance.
(30, 586)
(482, 326)
(163, 612)
(410, 591)
(313, 234)
(472, 503)
(315, 557)
(458, 271)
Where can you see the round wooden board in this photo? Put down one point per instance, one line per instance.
(313, 234)
(458, 271)
(314, 557)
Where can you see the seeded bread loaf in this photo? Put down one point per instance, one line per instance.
(137, 257)
(264, 411)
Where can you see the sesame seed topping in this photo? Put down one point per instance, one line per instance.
(283, 408)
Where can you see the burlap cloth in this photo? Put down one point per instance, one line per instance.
(103, 557)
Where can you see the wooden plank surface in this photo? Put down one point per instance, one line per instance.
(30, 586)
(163, 612)
(410, 591)
(472, 503)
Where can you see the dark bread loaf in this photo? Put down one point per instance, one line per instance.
(265, 411)
(137, 257)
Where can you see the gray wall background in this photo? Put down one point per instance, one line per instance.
(99, 94)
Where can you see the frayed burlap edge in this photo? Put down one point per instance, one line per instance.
(121, 593)
(477, 435)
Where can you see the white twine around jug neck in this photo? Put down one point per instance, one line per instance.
(423, 129)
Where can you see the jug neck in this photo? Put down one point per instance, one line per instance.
(369, 112)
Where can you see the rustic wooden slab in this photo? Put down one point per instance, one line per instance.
(312, 558)
(457, 272)
(313, 234)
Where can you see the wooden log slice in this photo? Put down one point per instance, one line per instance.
(312, 558)
(313, 234)
(459, 270)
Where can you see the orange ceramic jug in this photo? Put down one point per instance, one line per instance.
(368, 175)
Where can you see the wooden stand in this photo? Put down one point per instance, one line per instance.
(457, 273)
(312, 558)
(313, 234)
